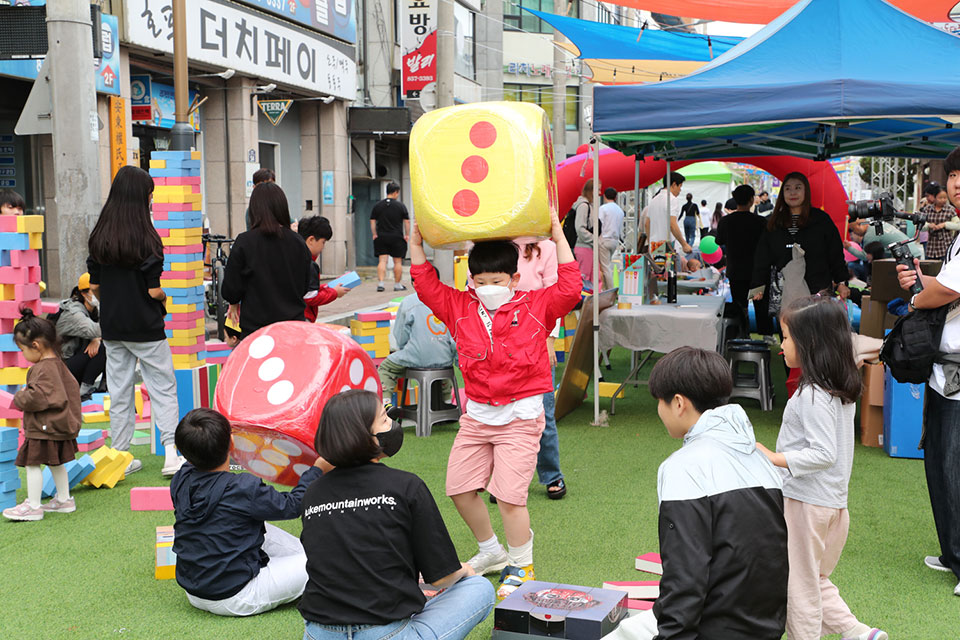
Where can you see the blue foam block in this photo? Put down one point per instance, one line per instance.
(86, 436)
(8, 455)
(98, 398)
(8, 499)
(349, 280)
(11, 485)
(77, 471)
(176, 224)
(4, 257)
(171, 155)
(364, 339)
(175, 173)
(14, 241)
(7, 343)
(181, 257)
(8, 475)
(8, 434)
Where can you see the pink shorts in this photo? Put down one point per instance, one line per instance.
(500, 459)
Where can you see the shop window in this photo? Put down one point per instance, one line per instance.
(464, 49)
(542, 95)
(514, 18)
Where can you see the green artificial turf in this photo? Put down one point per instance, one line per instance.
(90, 574)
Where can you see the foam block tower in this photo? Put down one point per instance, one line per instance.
(9, 476)
(178, 218)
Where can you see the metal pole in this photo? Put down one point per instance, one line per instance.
(75, 134)
(181, 136)
(669, 211)
(559, 91)
(636, 200)
(596, 278)
(443, 258)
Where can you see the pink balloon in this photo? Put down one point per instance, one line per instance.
(712, 258)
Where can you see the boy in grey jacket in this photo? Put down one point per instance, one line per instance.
(78, 327)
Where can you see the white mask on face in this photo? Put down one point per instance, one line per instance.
(494, 295)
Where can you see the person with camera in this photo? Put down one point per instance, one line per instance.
(941, 439)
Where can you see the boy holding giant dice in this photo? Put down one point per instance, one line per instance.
(501, 337)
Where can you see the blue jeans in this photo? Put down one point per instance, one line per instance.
(941, 450)
(690, 229)
(449, 616)
(548, 459)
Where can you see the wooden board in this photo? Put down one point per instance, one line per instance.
(579, 364)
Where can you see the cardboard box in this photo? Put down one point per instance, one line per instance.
(873, 384)
(884, 285)
(871, 426)
(902, 418)
(560, 611)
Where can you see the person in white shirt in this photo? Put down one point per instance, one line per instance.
(611, 226)
(941, 440)
(659, 223)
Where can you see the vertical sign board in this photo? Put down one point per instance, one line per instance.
(118, 134)
(141, 99)
(327, 179)
(418, 42)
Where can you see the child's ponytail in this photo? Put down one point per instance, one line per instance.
(32, 328)
(821, 333)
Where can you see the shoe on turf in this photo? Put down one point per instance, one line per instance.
(486, 563)
(956, 590)
(169, 469)
(872, 634)
(561, 489)
(380, 287)
(512, 577)
(23, 512)
(134, 466)
(60, 506)
(399, 287)
(934, 563)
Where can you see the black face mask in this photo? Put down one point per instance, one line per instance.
(392, 440)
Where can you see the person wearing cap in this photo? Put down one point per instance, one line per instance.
(78, 326)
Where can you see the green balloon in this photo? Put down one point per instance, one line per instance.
(708, 245)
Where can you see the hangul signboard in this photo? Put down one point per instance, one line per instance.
(334, 17)
(232, 37)
(418, 41)
(141, 99)
(118, 134)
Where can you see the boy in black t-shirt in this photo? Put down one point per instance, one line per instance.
(390, 226)
(228, 560)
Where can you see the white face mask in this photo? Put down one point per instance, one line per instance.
(94, 302)
(494, 295)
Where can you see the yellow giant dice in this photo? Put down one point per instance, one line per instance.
(482, 171)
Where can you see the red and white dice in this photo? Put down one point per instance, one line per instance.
(273, 389)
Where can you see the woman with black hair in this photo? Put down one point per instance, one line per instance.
(268, 272)
(125, 264)
(78, 325)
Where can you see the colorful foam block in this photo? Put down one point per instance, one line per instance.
(373, 316)
(165, 566)
(77, 471)
(150, 499)
(349, 280)
(110, 468)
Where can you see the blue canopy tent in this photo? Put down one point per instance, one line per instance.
(826, 78)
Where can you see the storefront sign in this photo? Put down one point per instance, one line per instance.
(231, 37)
(275, 109)
(162, 104)
(118, 134)
(327, 180)
(528, 69)
(333, 17)
(106, 71)
(141, 99)
(418, 41)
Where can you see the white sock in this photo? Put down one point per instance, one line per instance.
(523, 555)
(170, 454)
(34, 485)
(490, 546)
(63, 482)
(380, 284)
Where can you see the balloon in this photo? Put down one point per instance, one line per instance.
(708, 244)
(711, 258)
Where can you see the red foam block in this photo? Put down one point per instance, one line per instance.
(190, 248)
(150, 499)
(25, 258)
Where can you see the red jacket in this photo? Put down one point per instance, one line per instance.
(514, 364)
(316, 299)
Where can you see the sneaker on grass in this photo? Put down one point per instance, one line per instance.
(60, 506)
(169, 470)
(23, 512)
(934, 563)
(134, 466)
(872, 634)
(485, 563)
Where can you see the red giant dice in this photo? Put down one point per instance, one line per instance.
(273, 389)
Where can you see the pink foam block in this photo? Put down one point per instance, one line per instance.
(92, 408)
(179, 180)
(13, 359)
(12, 275)
(49, 307)
(372, 316)
(6, 400)
(216, 345)
(25, 258)
(179, 275)
(8, 224)
(194, 348)
(172, 206)
(26, 292)
(11, 308)
(190, 248)
(160, 215)
(172, 325)
(187, 316)
(91, 446)
(163, 233)
(150, 499)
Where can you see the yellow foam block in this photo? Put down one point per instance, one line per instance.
(106, 404)
(111, 466)
(194, 155)
(158, 164)
(7, 292)
(188, 333)
(607, 390)
(94, 417)
(138, 401)
(36, 240)
(175, 189)
(165, 562)
(196, 265)
(9, 422)
(177, 283)
(173, 241)
(13, 375)
(184, 233)
(30, 224)
(187, 341)
(482, 171)
(182, 308)
(183, 361)
(378, 352)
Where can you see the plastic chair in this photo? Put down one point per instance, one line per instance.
(431, 407)
(756, 383)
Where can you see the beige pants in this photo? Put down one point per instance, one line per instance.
(815, 539)
(607, 247)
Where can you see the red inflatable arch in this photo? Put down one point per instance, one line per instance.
(617, 171)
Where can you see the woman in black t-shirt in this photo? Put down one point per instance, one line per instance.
(370, 531)
(125, 264)
(268, 271)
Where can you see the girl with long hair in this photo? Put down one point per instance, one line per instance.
(125, 264)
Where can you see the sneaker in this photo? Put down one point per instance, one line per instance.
(380, 288)
(956, 590)
(57, 506)
(169, 469)
(873, 634)
(134, 466)
(934, 563)
(24, 512)
(399, 287)
(485, 563)
(512, 577)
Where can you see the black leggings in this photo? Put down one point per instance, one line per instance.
(84, 368)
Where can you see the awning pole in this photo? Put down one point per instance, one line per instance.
(636, 200)
(594, 214)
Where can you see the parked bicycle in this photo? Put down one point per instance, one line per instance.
(216, 305)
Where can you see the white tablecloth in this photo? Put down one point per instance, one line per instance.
(694, 321)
